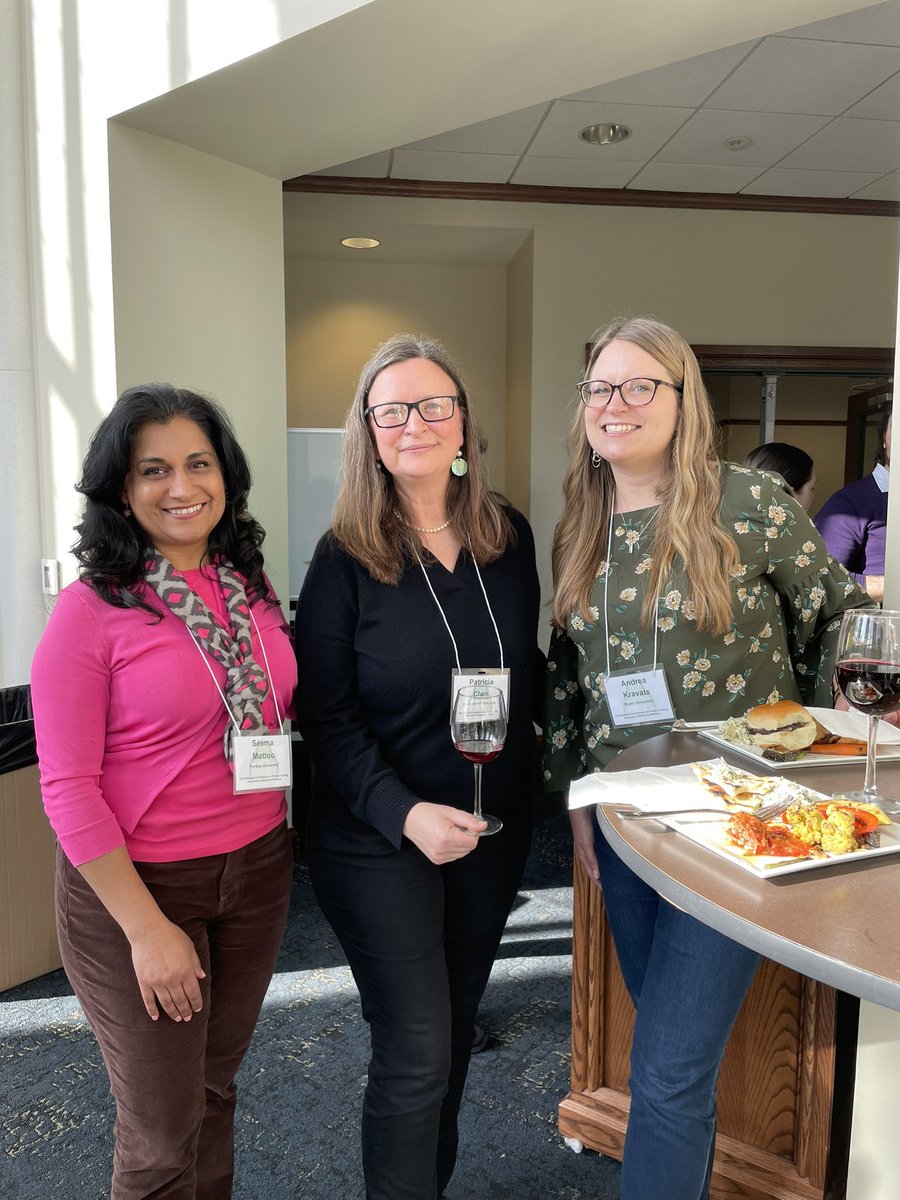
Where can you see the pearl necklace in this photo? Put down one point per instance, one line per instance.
(425, 528)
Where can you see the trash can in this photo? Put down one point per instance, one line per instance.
(28, 945)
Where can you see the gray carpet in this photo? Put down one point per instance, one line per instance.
(301, 1084)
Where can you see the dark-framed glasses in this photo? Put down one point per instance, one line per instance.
(431, 409)
(597, 393)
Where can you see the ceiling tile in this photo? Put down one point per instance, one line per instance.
(886, 188)
(373, 166)
(781, 182)
(850, 145)
(651, 127)
(575, 172)
(878, 25)
(681, 83)
(685, 177)
(464, 168)
(702, 139)
(883, 104)
(787, 75)
(509, 134)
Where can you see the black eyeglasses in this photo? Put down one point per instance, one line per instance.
(431, 409)
(597, 393)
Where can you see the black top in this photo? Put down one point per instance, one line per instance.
(373, 700)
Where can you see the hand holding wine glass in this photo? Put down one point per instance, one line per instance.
(868, 673)
(478, 729)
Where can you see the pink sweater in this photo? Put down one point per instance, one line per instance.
(129, 730)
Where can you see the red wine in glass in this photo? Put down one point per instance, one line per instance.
(868, 674)
(478, 729)
(478, 752)
(870, 686)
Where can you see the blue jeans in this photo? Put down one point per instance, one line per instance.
(688, 983)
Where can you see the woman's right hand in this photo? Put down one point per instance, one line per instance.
(583, 837)
(443, 834)
(167, 969)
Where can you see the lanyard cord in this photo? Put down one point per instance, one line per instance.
(606, 589)
(444, 615)
(262, 646)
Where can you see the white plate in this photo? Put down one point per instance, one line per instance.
(844, 724)
(711, 835)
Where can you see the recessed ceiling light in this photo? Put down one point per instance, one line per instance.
(738, 143)
(604, 135)
(358, 243)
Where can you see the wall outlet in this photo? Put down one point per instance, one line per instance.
(50, 576)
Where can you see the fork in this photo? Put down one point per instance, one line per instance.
(638, 814)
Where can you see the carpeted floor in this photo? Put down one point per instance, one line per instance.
(301, 1084)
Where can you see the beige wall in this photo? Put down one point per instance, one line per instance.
(337, 313)
(199, 298)
(722, 277)
(519, 351)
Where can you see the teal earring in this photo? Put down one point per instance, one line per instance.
(459, 466)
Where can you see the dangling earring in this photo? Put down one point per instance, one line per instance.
(596, 459)
(459, 466)
(126, 512)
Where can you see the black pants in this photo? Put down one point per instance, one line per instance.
(420, 941)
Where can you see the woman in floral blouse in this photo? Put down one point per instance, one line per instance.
(672, 566)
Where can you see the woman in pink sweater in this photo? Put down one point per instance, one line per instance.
(160, 689)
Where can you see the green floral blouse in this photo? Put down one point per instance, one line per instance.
(788, 597)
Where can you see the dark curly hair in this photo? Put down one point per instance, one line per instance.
(113, 548)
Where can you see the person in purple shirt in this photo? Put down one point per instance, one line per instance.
(853, 522)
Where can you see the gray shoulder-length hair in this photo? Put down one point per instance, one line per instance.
(366, 516)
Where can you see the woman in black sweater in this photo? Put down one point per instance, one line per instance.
(425, 570)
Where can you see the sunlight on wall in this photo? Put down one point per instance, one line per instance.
(52, 191)
(65, 458)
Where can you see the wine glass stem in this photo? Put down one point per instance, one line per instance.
(478, 791)
(869, 787)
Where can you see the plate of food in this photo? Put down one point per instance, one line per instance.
(807, 829)
(784, 735)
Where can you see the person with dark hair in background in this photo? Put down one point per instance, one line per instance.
(425, 571)
(794, 466)
(158, 686)
(853, 523)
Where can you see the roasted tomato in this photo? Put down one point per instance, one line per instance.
(756, 837)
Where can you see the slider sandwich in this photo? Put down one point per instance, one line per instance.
(782, 731)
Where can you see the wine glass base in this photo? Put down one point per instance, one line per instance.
(887, 803)
(494, 825)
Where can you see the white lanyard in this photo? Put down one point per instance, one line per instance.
(212, 673)
(606, 591)
(444, 615)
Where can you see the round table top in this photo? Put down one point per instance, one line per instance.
(839, 924)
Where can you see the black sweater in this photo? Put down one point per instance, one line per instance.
(374, 692)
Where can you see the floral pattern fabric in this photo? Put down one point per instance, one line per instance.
(788, 597)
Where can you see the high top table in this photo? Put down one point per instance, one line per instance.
(830, 935)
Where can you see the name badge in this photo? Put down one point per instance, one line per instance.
(497, 677)
(638, 697)
(262, 762)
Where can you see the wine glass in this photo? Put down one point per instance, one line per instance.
(478, 729)
(868, 673)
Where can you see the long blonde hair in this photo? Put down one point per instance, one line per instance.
(687, 525)
(366, 521)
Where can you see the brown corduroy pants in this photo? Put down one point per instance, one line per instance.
(173, 1082)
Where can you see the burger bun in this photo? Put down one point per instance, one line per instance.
(784, 727)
